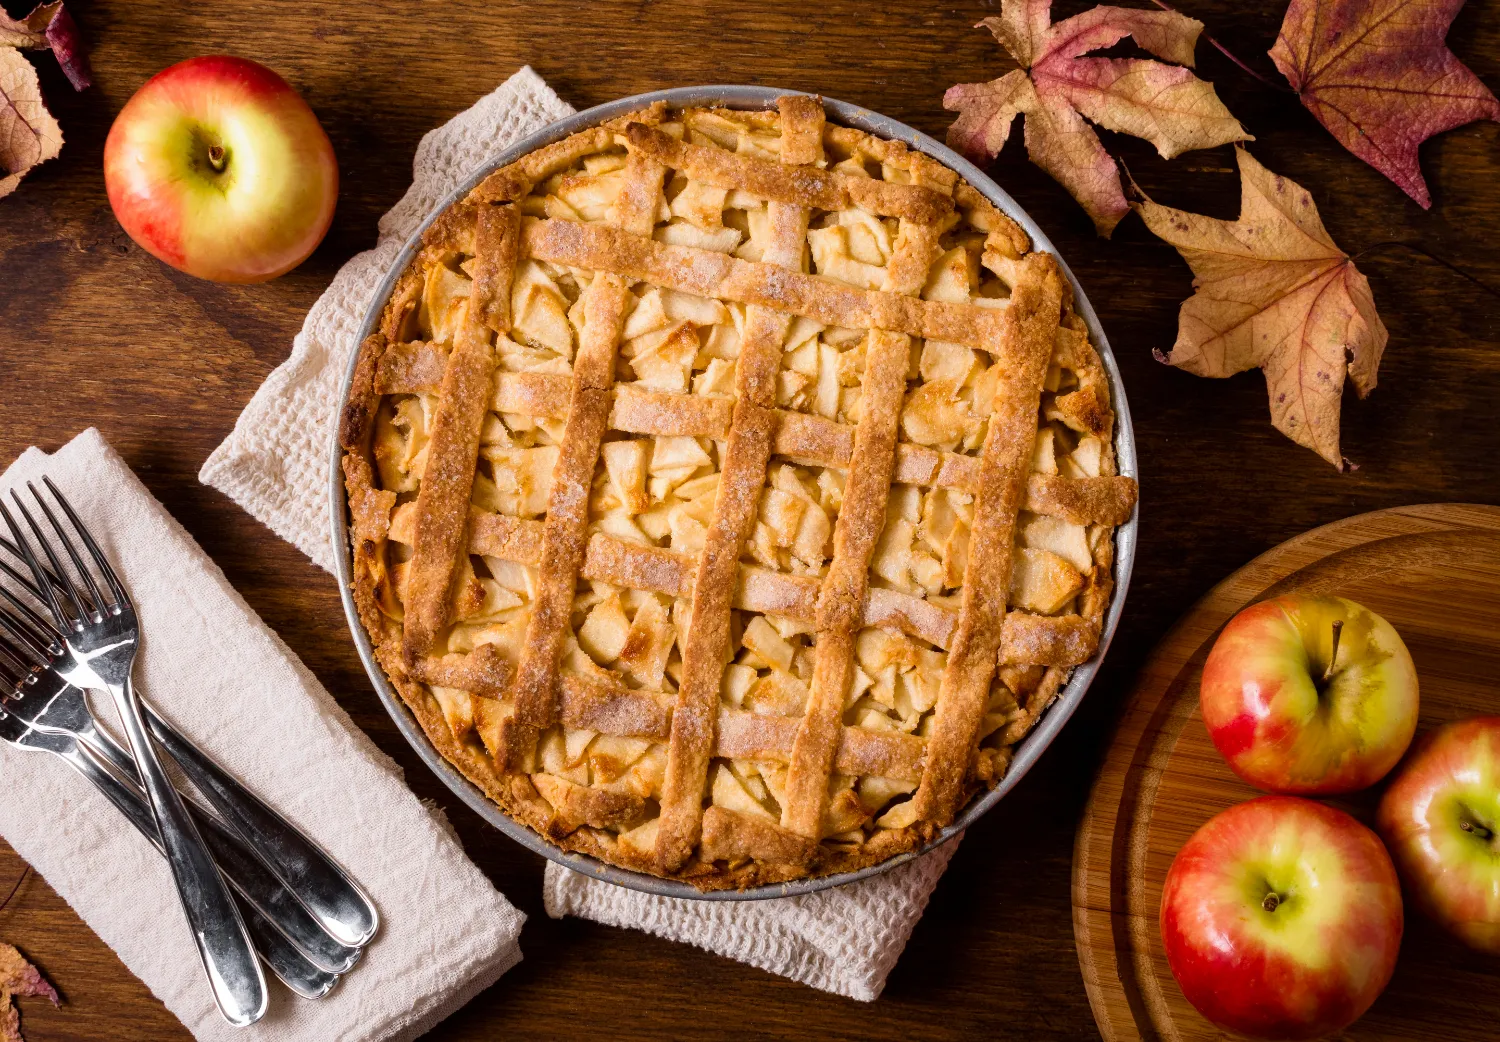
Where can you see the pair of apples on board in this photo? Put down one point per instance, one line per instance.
(1282, 917)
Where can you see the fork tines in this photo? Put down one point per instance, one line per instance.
(86, 598)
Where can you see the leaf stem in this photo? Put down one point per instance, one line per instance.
(1430, 256)
(1228, 54)
(25, 873)
(1333, 656)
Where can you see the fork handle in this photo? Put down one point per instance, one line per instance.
(246, 872)
(290, 965)
(327, 892)
(238, 985)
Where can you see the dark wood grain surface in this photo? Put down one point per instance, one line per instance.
(93, 331)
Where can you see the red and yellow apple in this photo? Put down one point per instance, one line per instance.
(218, 167)
(1310, 695)
(1281, 918)
(1441, 820)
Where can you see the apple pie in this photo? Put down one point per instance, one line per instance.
(730, 491)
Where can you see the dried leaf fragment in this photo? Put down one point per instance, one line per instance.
(1057, 88)
(1272, 290)
(1379, 76)
(30, 31)
(18, 977)
(50, 27)
(28, 133)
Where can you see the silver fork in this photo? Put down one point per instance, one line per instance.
(289, 964)
(41, 699)
(102, 636)
(341, 908)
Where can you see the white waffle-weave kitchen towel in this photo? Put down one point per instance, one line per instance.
(225, 679)
(845, 939)
(275, 465)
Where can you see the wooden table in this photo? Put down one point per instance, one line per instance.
(93, 331)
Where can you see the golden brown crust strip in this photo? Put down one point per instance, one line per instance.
(707, 649)
(1083, 501)
(656, 412)
(588, 705)
(1047, 640)
(482, 671)
(1042, 640)
(511, 183)
(841, 602)
(1002, 235)
(637, 567)
(495, 249)
(1105, 500)
(505, 537)
(887, 754)
(710, 274)
(635, 411)
(746, 458)
(369, 508)
(842, 597)
(730, 836)
(533, 394)
(635, 212)
(564, 535)
(776, 593)
(755, 736)
(803, 186)
(364, 395)
(414, 368)
(442, 513)
(972, 657)
(815, 439)
(443, 501)
(909, 614)
(862, 515)
(801, 117)
(574, 806)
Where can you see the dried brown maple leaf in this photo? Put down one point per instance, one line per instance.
(1379, 76)
(28, 133)
(1057, 87)
(1273, 291)
(18, 977)
(50, 27)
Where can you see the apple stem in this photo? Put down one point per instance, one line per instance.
(216, 160)
(1338, 628)
(1272, 901)
(1480, 830)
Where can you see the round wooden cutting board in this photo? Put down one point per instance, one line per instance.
(1434, 572)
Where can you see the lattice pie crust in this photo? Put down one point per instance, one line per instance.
(730, 492)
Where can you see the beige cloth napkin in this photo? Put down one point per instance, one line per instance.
(275, 465)
(217, 671)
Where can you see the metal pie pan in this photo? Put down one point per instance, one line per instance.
(1030, 748)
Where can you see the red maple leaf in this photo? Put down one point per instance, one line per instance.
(1379, 76)
(1058, 88)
